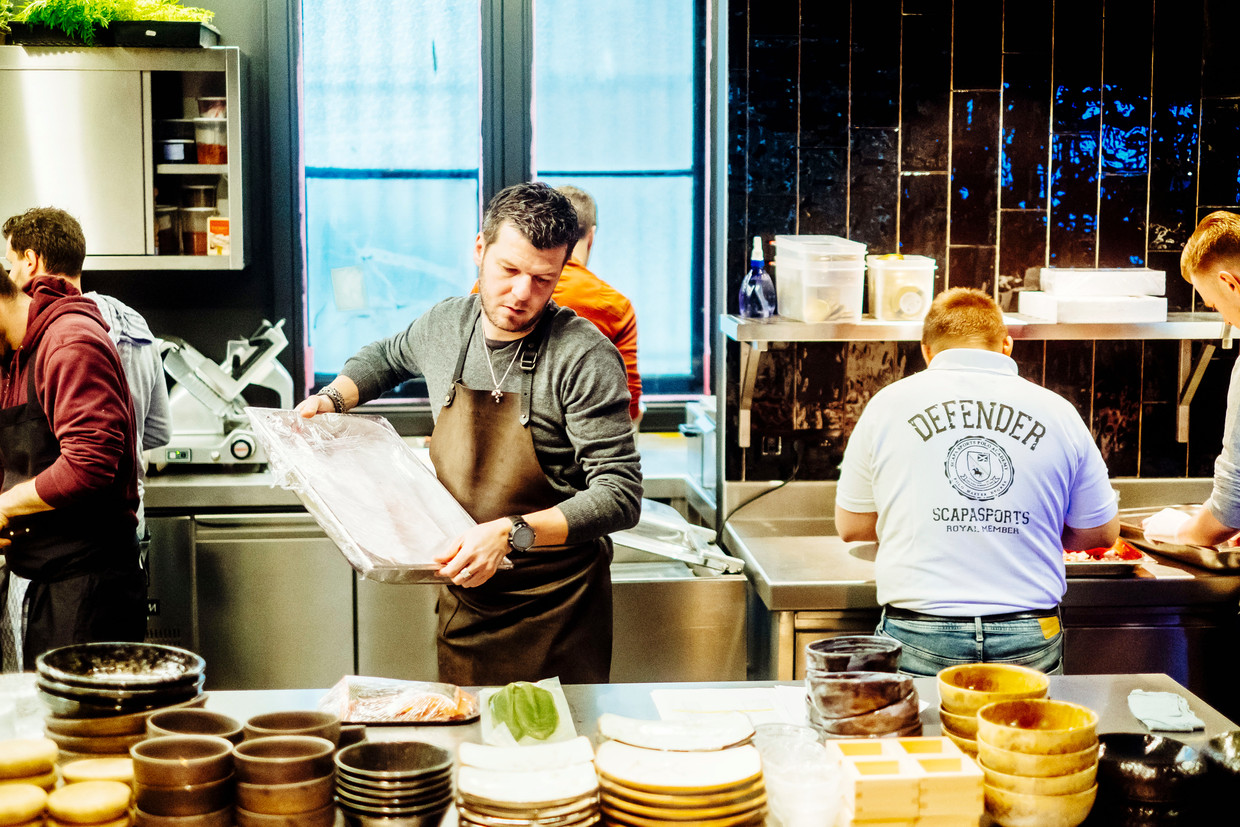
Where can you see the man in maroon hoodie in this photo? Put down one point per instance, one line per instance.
(69, 491)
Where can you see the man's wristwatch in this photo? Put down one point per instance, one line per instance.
(521, 536)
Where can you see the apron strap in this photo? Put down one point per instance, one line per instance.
(460, 359)
(529, 360)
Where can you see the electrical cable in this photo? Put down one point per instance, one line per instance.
(792, 475)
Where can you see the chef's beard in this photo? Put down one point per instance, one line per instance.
(492, 317)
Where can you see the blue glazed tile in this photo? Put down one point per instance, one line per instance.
(825, 18)
(772, 215)
(1121, 221)
(876, 63)
(775, 18)
(977, 44)
(1173, 171)
(971, 267)
(1077, 66)
(923, 219)
(1069, 372)
(1074, 200)
(1022, 244)
(824, 192)
(1160, 362)
(926, 94)
(1218, 71)
(1125, 132)
(1026, 131)
(1220, 161)
(1030, 358)
(1161, 455)
(975, 167)
(1117, 404)
(1180, 294)
(875, 189)
(1027, 26)
(738, 33)
(1129, 33)
(824, 92)
(771, 161)
(773, 76)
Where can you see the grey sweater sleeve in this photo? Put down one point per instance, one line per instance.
(382, 365)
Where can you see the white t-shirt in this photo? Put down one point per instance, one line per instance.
(1224, 502)
(973, 472)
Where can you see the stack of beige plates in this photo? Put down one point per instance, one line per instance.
(965, 689)
(647, 787)
(551, 785)
(1040, 761)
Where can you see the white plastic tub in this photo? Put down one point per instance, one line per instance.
(900, 286)
(819, 278)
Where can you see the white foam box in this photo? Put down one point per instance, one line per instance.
(1114, 281)
(890, 781)
(1091, 309)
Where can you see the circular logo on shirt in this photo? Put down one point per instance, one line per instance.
(978, 468)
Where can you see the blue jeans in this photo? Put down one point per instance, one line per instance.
(933, 645)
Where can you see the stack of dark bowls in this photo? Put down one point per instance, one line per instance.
(390, 783)
(100, 694)
(853, 690)
(1150, 781)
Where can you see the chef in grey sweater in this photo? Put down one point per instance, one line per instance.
(533, 437)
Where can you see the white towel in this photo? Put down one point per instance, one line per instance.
(1163, 710)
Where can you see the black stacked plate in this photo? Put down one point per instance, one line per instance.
(100, 680)
(384, 783)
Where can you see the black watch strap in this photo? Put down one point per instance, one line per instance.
(521, 536)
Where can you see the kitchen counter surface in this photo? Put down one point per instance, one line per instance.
(1105, 694)
(223, 488)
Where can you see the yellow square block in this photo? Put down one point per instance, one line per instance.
(882, 788)
(948, 821)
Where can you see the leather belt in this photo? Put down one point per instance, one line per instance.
(908, 614)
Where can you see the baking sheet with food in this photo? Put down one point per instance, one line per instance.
(360, 699)
(1119, 559)
(1206, 557)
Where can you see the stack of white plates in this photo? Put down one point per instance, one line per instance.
(552, 785)
(647, 787)
(381, 780)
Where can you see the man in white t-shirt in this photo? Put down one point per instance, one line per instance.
(973, 481)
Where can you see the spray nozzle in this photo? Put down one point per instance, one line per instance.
(757, 257)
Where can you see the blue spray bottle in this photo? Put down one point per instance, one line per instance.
(757, 296)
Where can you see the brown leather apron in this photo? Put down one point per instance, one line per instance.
(550, 614)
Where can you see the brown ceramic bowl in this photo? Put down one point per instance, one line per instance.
(965, 725)
(285, 759)
(184, 799)
(843, 694)
(181, 759)
(294, 722)
(392, 760)
(1076, 782)
(350, 734)
(1038, 726)
(1022, 763)
(286, 799)
(1020, 810)
(965, 689)
(892, 718)
(193, 722)
(220, 818)
(854, 653)
(325, 817)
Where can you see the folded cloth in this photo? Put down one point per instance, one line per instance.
(1163, 710)
(1164, 527)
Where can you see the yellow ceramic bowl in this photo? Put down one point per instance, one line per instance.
(1040, 727)
(965, 689)
(1020, 810)
(1038, 766)
(1077, 782)
(967, 745)
(965, 725)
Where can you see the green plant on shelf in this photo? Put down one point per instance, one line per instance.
(80, 18)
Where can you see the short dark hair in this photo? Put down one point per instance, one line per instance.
(545, 217)
(1215, 244)
(583, 205)
(963, 314)
(53, 234)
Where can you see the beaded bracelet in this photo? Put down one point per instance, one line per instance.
(335, 396)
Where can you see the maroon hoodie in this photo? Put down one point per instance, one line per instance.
(80, 385)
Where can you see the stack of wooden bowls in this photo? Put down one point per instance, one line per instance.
(1040, 761)
(285, 779)
(183, 781)
(965, 689)
(853, 690)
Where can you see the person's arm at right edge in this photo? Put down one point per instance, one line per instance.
(318, 403)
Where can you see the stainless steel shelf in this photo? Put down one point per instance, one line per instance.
(1179, 326)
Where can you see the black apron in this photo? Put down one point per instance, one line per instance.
(550, 614)
(82, 559)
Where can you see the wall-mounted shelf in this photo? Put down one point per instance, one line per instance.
(755, 335)
(191, 169)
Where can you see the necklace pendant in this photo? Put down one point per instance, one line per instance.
(496, 395)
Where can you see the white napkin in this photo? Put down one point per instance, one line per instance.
(1164, 526)
(1163, 710)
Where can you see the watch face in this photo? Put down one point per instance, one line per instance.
(522, 537)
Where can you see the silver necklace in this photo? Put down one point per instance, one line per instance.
(496, 394)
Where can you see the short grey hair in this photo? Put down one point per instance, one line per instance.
(583, 204)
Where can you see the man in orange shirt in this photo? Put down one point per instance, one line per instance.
(595, 299)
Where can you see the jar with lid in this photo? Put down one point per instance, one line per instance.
(198, 195)
(167, 230)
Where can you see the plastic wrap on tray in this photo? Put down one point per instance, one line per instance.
(387, 512)
(364, 700)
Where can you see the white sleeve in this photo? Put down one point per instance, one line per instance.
(1091, 502)
(855, 490)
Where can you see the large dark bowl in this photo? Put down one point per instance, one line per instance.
(854, 653)
(392, 760)
(1137, 767)
(1222, 754)
(62, 707)
(101, 696)
(121, 665)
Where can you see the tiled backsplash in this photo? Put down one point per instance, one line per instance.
(993, 136)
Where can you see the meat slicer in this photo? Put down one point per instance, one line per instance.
(209, 423)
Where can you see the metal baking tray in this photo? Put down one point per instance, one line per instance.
(1104, 568)
(1206, 557)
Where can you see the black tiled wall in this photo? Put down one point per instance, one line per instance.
(993, 136)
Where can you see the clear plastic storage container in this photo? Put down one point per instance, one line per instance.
(901, 287)
(819, 278)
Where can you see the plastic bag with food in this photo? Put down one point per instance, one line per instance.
(358, 699)
(376, 499)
